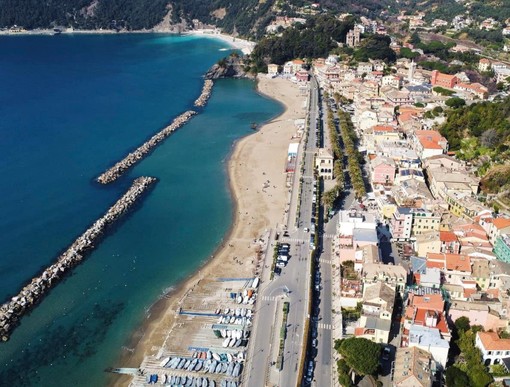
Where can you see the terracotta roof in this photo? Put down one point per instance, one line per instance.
(459, 262)
(420, 318)
(469, 292)
(447, 236)
(428, 301)
(492, 342)
(500, 223)
(429, 139)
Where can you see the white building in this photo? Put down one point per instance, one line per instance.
(495, 350)
(429, 339)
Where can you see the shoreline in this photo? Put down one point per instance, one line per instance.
(244, 45)
(161, 314)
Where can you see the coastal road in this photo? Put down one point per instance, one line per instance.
(292, 285)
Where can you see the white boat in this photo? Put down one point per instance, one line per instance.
(229, 334)
(212, 383)
(229, 357)
(251, 302)
(232, 319)
(199, 365)
(245, 300)
(164, 362)
(218, 369)
(245, 293)
(209, 355)
(230, 368)
(224, 368)
(223, 333)
(220, 319)
(226, 311)
(239, 299)
(205, 382)
(225, 343)
(248, 313)
(232, 342)
(256, 282)
(164, 379)
(243, 312)
(216, 356)
(237, 370)
(186, 365)
(238, 312)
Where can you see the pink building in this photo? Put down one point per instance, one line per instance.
(383, 170)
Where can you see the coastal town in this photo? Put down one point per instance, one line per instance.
(370, 238)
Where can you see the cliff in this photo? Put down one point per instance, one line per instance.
(230, 67)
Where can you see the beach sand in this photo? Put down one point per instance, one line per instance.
(258, 185)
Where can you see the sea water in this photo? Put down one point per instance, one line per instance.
(71, 106)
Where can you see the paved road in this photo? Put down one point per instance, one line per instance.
(323, 354)
(293, 285)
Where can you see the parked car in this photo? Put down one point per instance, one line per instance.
(386, 353)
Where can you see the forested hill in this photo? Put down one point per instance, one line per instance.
(248, 17)
(480, 134)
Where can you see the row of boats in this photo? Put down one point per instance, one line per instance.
(188, 381)
(238, 312)
(215, 365)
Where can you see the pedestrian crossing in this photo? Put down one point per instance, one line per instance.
(325, 326)
(295, 240)
(328, 236)
(269, 298)
(326, 261)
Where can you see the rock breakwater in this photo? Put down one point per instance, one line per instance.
(11, 312)
(206, 93)
(143, 150)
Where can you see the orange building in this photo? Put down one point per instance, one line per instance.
(443, 80)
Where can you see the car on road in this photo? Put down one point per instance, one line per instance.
(280, 264)
(315, 342)
(306, 229)
(277, 271)
(386, 352)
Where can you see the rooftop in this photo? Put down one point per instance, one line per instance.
(412, 367)
(492, 342)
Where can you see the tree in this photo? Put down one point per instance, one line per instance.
(455, 102)
(343, 373)
(462, 324)
(361, 355)
(489, 138)
(455, 377)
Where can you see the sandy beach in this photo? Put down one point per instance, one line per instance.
(258, 185)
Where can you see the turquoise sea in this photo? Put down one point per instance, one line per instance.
(71, 106)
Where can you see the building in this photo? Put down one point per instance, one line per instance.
(424, 221)
(502, 248)
(498, 227)
(383, 170)
(353, 37)
(429, 338)
(428, 242)
(292, 157)
(429, 143)
(272, 70)
(391, 274)
(413, 368)
(443, 80)
(324, 163)
(449, 242)
(495, 350)
(401, 224)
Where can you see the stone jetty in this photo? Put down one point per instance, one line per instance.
(12, 311)
(206, 93)
(143, 150)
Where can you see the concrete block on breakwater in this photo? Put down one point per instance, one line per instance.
(206, 93)
(143, 150)
(12, 311)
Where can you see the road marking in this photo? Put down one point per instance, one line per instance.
(328, 236)
(322, 260)
(268, 298)
(325, 326)
(295, 240)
